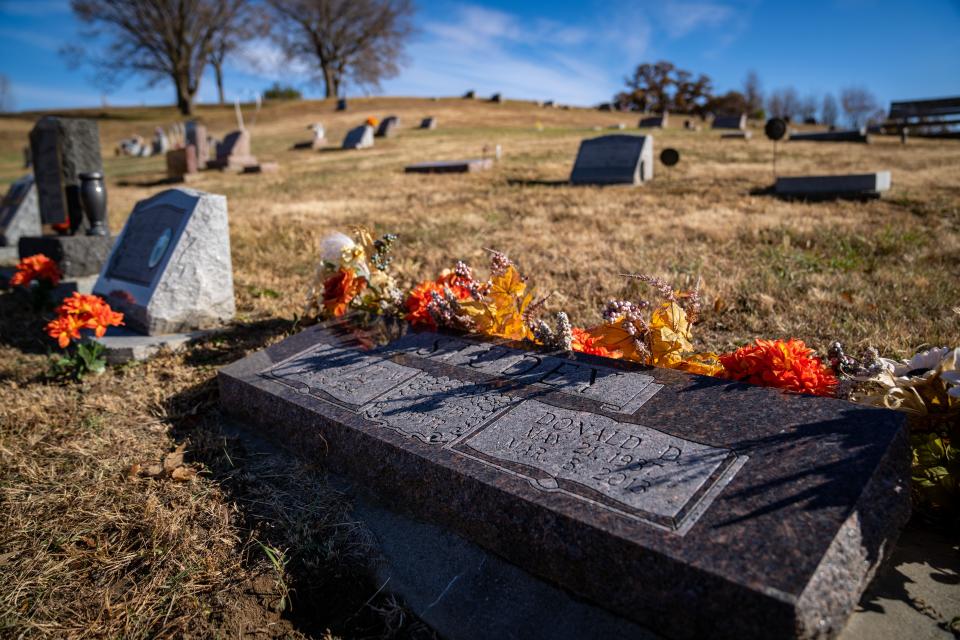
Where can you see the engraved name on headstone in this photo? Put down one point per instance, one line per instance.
(636, 470)
(615, 159)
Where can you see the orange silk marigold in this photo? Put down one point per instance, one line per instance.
(36, 267)
(340, 289)
(81, 311)
(418, 302)
(789, 365)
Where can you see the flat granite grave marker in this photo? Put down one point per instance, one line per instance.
(696, 506)
(451, 166)
(614, 159)
(19, 216)
(359, 138)
(388, 127)
(851, 135)
(869, 185)
(170, 269)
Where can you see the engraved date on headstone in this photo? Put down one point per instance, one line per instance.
(349, 377)
(628, 467)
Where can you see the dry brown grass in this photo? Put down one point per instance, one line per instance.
(86, 551)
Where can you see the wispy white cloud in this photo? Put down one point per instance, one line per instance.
(682, 18)
(34, 8)
(32, 38)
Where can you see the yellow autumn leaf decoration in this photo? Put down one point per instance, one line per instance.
(669, 335)
(501, 312)
(704, 364)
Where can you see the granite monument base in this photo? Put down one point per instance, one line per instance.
(692, 505)
(122, 345)
(77, 256)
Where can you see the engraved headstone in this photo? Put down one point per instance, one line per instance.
(428, 123)
(671, 499)
(62, 149)
(170, 269)
(182, 162)
(359, 138)
(865, 185)
(388, 127)
(614, 159)
(234, 152)
(342, 104)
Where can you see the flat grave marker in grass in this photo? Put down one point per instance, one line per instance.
(696, 506)
(170, 269)
(851, 135)
(654, 122)
(738, 122)
(451, 166)
(614, 159)
(867, 185)
(19, 216)
(359, 138)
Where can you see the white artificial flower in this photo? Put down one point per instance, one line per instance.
(333, 246)
(923, 362)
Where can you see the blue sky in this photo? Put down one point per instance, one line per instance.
(573, 52)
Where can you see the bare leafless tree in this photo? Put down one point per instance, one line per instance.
(808, 109)
(357, 40)
(858, 103)
(159, 39)
(249, 23)
(753, 93)
(828, 111)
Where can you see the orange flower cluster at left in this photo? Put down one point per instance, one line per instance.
(82, 311)
(36, 267)
(339, 289)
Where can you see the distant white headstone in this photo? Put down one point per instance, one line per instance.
(616, 159)
(170, 268)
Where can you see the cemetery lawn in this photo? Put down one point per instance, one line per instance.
(92, 545)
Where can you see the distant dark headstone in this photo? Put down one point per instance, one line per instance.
(654, 122)
(850, 135)
(388, 127)
(737, 135)
(62, 149)
(730, 122)
(496, 98)
(615, 159)
(549, 103)
(182, 162)
(342, 104)
(19, 216)
(428, 123)
(196, 134)
(669, 157)
(866, 185)
(470, 95)
(234, 152)
(700, 507)
(775, 128)
(605, 106)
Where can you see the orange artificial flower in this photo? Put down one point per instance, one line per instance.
(63, 329)
(81, 311)
(417, 303)
(789, 365)
(36, 267)
(339, 290)
(586, 343)
(372, 121)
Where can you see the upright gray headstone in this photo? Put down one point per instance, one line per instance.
(428, 123)
(62, 149)
(616, 159)
(170, 269)
(359, 138)
(730, 122)
(196, 134)
(19, 216)
(654, 122)
(388, 127)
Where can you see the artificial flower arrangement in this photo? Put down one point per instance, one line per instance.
(78, 313)
(353, 276)
(38, 274)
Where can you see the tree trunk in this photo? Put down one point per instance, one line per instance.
(184, 97)
(218, 73)
(331, 81)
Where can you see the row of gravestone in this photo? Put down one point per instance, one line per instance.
(362, 137)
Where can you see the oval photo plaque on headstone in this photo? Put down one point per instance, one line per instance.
(775, 128)
(159, 249)
(669, 157)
